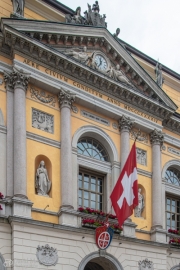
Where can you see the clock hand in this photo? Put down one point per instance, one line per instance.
(100, 62)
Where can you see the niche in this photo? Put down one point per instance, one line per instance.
(140, 210)
(43, 176)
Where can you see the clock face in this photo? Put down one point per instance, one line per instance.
(100, 62)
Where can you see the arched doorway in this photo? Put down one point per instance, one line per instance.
(94, 261)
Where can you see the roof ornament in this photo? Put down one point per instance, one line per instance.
(117, 33)
(158, 72)
(18, 8)
(91, 16)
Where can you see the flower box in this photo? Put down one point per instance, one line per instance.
(94, 212)
(94, 223)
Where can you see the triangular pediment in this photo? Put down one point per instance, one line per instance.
(60, 43)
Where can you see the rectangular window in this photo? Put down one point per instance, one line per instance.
(90, 190)
(172, 213)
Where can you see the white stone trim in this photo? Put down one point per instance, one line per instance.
(42, 139)
(100, 135)
(174, 163)
(3, 261)
(3, 129)
(172, 140)
(177, 267)
(96, 254)
(94, 164)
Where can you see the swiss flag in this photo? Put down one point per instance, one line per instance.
(124, 196)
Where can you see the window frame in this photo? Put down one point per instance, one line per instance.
(172, 197)
(96, 174)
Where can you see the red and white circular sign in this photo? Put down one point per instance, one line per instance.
(103, 240)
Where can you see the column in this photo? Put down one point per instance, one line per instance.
(18, 81)
(66, 98)
(125, 125)
(10, 144)
(156, 139)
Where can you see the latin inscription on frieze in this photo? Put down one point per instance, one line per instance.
(42, 121)
(173, 151)
(95, 118)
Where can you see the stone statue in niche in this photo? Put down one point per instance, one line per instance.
(18, 7)
(139, 209)
(76, 19)
(43, 184)
(158, 72)
(117, 75)
(81, 56)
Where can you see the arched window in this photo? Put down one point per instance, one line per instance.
(92, 148)
(173, 176)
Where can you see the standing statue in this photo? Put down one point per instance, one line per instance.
(158, 72)
(117, 33)
(117, 75)
(43, 184)
(95, 7)
(138, 210)
(18, 7)
(75, 19)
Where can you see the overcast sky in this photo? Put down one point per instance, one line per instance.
(151, 26)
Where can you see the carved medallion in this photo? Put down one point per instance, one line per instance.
(42, 121)
(43, 97)
(146, 265)
(47, 255)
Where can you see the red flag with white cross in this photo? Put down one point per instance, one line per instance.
(124, 196)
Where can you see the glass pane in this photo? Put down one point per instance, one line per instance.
(80, 184)
(93, 180)
(80, 193)
(86, 177)
(93, 197)
(80, 202)
(93, 187)
(86, 195)
(86, 185)
(99, 189)
(86, 203)
(99, 198)
(93, 205)
(80, 176)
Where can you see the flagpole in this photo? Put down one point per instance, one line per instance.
(137, 135)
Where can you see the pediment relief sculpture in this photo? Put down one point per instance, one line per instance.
(42, 183)
(98, 61)
(91, 16)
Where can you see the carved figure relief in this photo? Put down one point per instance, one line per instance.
(43, 97)
(117, 75)
(146, 265)
(42, 121)
(47, 255)
(42, 183)
(76, 19)
(140, 136)
(81, 56)
(18, 7)
(139, 209)
(141, 156)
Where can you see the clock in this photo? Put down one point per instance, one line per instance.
(101, 62)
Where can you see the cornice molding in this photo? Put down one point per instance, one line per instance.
(41, 139)
(172, 140)
(15, 39)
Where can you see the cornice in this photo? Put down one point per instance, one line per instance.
(42, 139)
(29, 45)
(172, 124)
(172, 140)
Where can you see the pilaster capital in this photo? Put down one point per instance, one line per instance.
(125, 123)
(65, 97)
(15, 79)
(156, 137)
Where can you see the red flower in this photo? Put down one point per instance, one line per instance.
(1, 207)
(1, 196)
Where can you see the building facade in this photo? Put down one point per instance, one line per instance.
(73, 98)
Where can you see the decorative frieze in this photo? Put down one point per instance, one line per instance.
(156, 137)
(43, 97)
(139, 136)
(174, 151)
(47, 255)
(95, 118)
(146, 264)
(42, 121)
(125, 123)
(141, 156)
(65, 97)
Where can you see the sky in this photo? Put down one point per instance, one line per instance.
(151, 26)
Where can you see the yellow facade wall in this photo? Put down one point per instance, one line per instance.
(3, 101)
(29, 14)
(6, 8)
